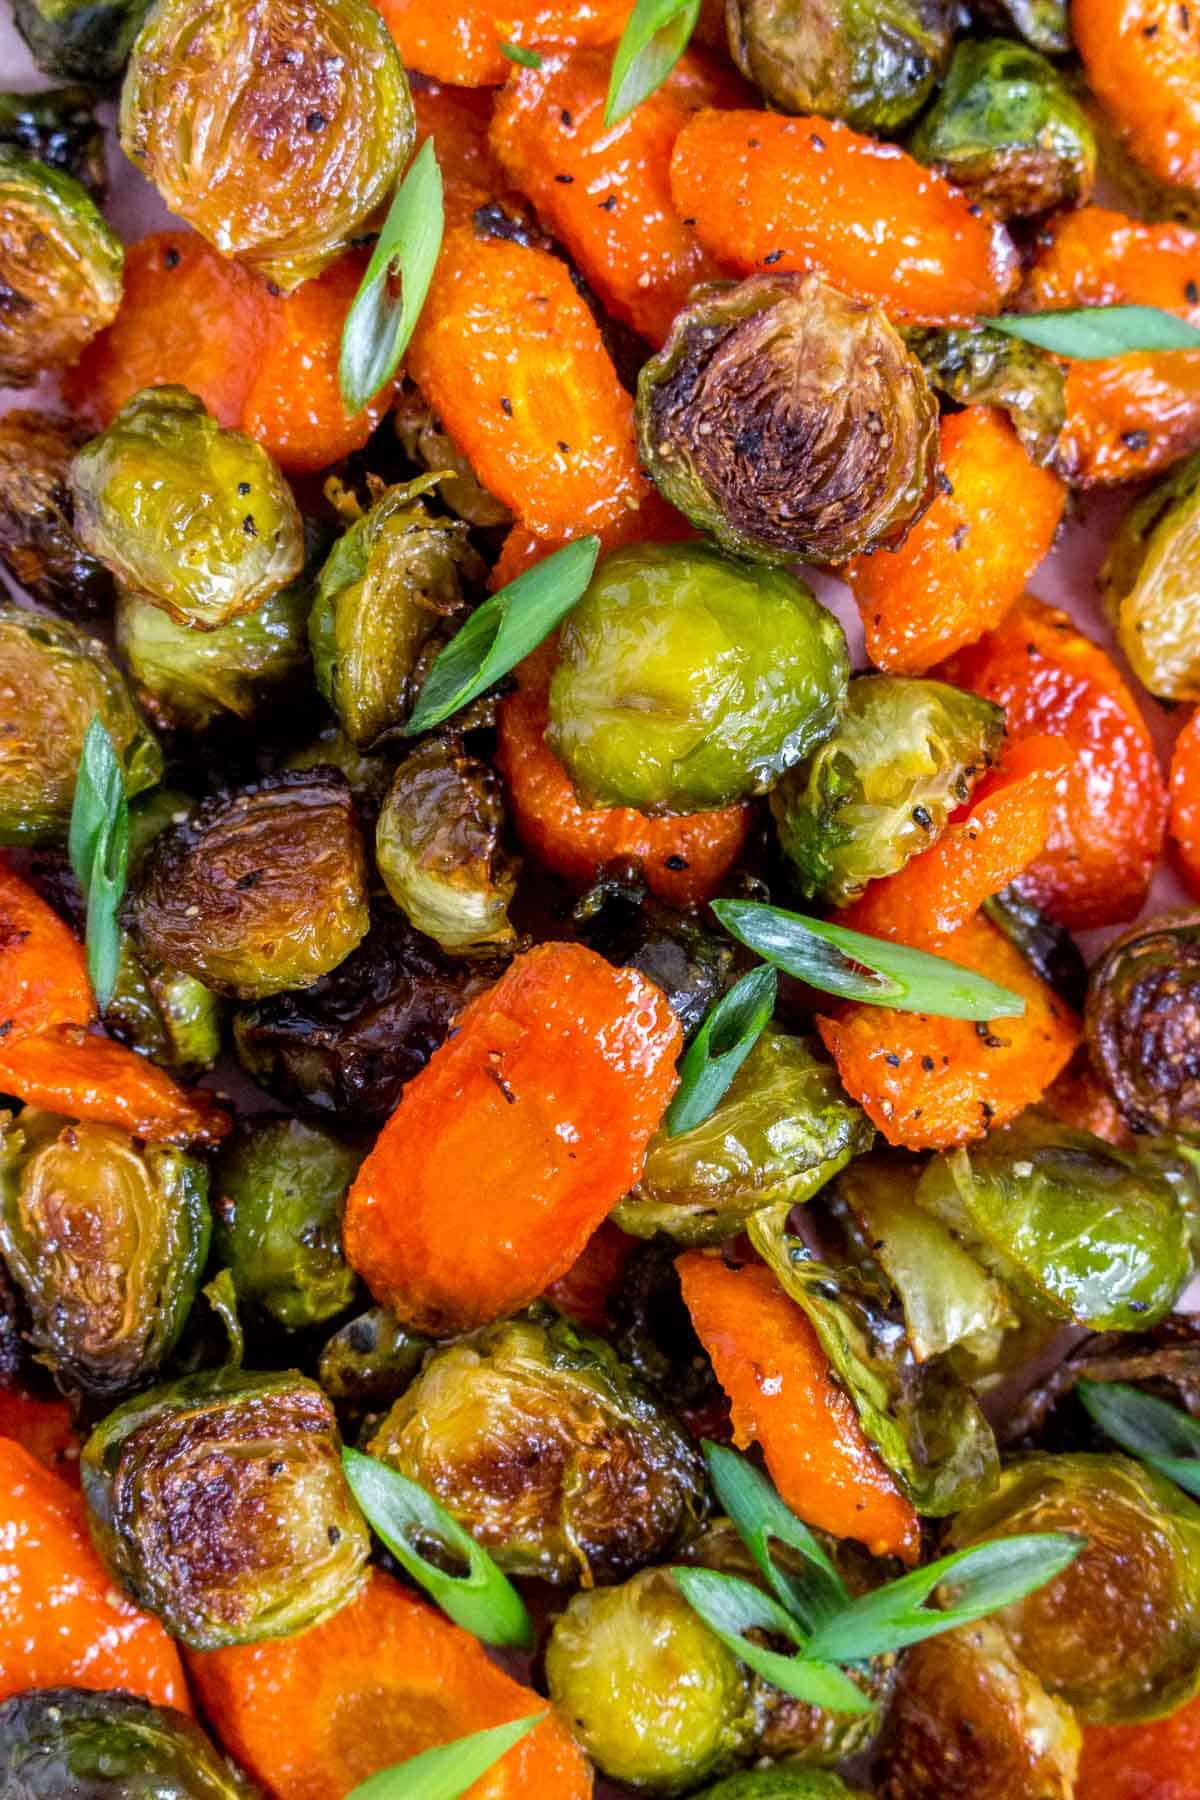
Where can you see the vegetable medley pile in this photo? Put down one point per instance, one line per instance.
(570, 1207)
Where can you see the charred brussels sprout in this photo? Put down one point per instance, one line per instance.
(193, 517)
(789, 421)
(547, 1450)
(218, 1502)
(1047, 946)
(54, 680)
(782, 1130)
(652, 1331)
(870, 62)
(80, 40)
(1151, 585)
(690, 963)
(686, 681)
(654, 1697)
(97, 1746)
(280, 1188)
(1007, 129)
(1143, 1023)
(1117, 1634)
(38, 545)
(368, 1362)
(58, 127)
(439, 848)
(277, 131)
(60, 269)
(107, 1239)
(904, 756)
(258, 891)
(982, 367)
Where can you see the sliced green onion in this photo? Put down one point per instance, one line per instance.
(517, 53)
(651, 44)
(759, 1515)
(98, 846)
(1157, 1433)
(730, 1031)
(1090, 333)
(380, 322)
(447, 1771)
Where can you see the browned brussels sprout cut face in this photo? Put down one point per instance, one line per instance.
(1151, 585)
(277, 129)
(108, 1746)
(80, 40)
(547, 1450)
(1143, 1023)
(38, 545)
(58, 127)
(258, 891)
(368, 1362)
(60, 269)
(218, 1502)
(982, 367)
(195, 518)
(789, 421)
(1117, 1634)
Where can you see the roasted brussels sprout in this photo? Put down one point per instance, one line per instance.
(1047, 946)
(547, 1450)
(692, 964)
(1151, 584)
(218, 1502)
(277, 1205)
(1042, 23)
(978, 366)
(782, 1130)
(654, 1697)
(782, 1784)
(369, 1362)
(1165, 1361)
(80, 40)
(38, 545)
(97, 1746)
(276, 131)
(1007, 129)
(1117, 1634)
(904, 755)
(686, 680)
(1081, 1231)
(653, 1333)
(107, 1239)
(789, 421)
(54, 680)
(258, 891)
(369, 776)
(439, 848)
(193, 517)
(167, 1015)
(59, 127)
(428, 446)
(1143, 1023)
(60, 268)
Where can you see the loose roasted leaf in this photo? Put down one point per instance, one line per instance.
(98, 845)
(759, 1516)
(1091, 333)
(447, 1771)
(720, 1047)
(651, 44)
(380, 323)
(1150, 1429)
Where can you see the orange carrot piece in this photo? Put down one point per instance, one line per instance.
(653, 521)
(387, 1677)
(586, 1291)
(1099, 257)
(83, 1076)
(1158, 1761)
(45, 1429)
(1080, 1099)
(457, 119)
(1183, 823)
(459, 40)
(768, 1359)
(767, 192)
(62, 1621)
(530, 1122)
(1143, 63)
(968, 558)
(43, 968)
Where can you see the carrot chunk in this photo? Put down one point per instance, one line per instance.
(71, 1071)
(1143, 64)
(1142, 1762)
(43, 1427)
(586, 1291)
(458, 119)
(459, 40)
(43, 969)
(653, 521)
(1183, 824)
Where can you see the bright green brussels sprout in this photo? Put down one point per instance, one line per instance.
(1116, 1634)
(218, 1502)
(1151, 584)
(277, 131)
(38, 545)
(905, 754)
(653, 1696)
(1007, 129)
(384, 599)
(870, 62)
(80, 40)
(369, 1361)
(782, 1784)
(692, 964)
(58, 127)
(96, 1746)
(107, 1239)
(258, 891)
(60, 268)
(193, 517)
(439, 848)
(978, 366)
(789, 421)
(54, 680)
(686, 680)
(1082, 1232)
(547, 1450)
(782, 1130)
(277, 1202)
(1143, 1023)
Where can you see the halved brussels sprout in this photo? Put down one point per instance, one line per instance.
(277, 131)
(1151, 584)
(653, 1334)
(978, 366)
(783, 1129)
(218, 1502)
(782, 1784)
(60, 268)
(80, 40)
(905, 754)
(258, 891)
(368, 775)
(193, 517)
(439, 848)
(547, 1450)
(1082, 1232)
(384, 599)
(789, 421)
(653, 1696)
(59, 127)
(870, 62)
(108, 1746)
(1007, 129)
(277, 1205)
(1117, 1634)
(54, 679)
(1143, 1022)
(107, 1239)
(692, 964)
(170, 1017)
(369, 1361)
(38, 545)
(687, 680)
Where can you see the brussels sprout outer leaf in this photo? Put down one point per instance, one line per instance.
(1150, 1429)
(98, 845)
(448, 1770)
(724, 1041)
(483, 1600)
(651, 44)
(1092, 333)
(759, 1514)
(378, 326)
(857, 967)
(730, 1606)
(502, 631)
(984, 1579)
(517, 53)
(221, 1295)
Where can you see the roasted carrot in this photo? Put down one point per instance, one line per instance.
(457, 119)
(459, 40)
(653, 521)
(586, 1291)
(1158, 1761)
(43, 1427)
(1080, 1099)
(1183, 822)
(43, 969)
(387, 1677)
(83, 1076)
(1143, 63)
